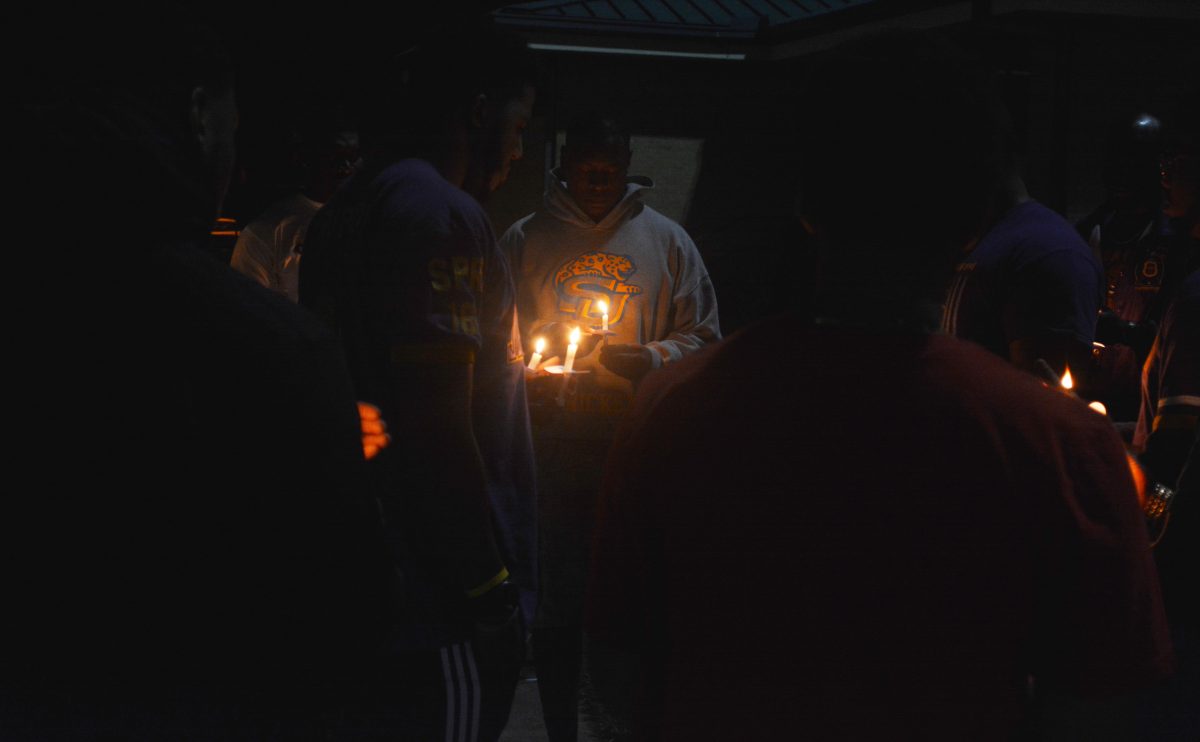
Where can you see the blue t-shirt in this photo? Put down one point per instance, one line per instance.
(1031, 276)
(406, 266)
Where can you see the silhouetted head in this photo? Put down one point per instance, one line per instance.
(595, 163)
(1180, 164)
(327, 151)
(1131, 169)
(904, 147)
(137, 121)
(464, 98)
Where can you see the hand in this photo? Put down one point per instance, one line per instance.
(631, 361)
(375, 437)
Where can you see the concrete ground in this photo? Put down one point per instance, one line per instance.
(525, 721)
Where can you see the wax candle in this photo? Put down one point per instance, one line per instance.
(538, 346)
(603, 307)
(571, 349)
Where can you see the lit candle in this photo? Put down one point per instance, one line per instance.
(574, 346)
(603, 306)
(1067, 382)
(1098, 407)
(538, 346)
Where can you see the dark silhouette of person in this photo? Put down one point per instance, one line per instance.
(195, 558)
(404, 264)
(1127, 233)
(871, 530)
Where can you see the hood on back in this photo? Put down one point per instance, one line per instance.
(560, 203)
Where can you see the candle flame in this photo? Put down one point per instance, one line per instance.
(1067, 381)
(539, 345)
(602, 306)
(575, 335)
(1098, 407)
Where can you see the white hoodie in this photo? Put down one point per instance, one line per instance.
(639, 261)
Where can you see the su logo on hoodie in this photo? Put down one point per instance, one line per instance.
(593, 276)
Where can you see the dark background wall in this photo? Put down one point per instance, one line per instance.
(718, 136)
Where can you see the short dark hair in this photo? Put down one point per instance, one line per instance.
(913, 126)
(904, 148)
(112, 107)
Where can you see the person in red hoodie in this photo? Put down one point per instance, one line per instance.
(871, 530)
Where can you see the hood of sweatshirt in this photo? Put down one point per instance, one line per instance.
(561, 205)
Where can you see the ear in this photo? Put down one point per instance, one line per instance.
(479, 111)
(198, 116)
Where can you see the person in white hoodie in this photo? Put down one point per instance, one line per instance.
(593, 241)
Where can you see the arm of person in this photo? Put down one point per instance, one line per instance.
(694, 322)
(252, 257)
(1171, 391)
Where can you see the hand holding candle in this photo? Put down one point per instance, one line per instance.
(538, 346)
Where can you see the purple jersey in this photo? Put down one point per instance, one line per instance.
(1031, 276)
(406, 266)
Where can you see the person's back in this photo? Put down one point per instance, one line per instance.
(951, 529)
(872, 530)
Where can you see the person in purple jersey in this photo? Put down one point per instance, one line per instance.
(871, 530)
(1168, 436)
(404, 264)
(1030, 289)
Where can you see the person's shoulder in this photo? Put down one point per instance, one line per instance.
(415, 189)
(1036, 231)
(986, 387)
(518, 229)
(664, 228)
(213, 300)
(718, 370)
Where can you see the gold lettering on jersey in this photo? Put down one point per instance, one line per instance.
(458, 272)
(439, 274)
(465, 318)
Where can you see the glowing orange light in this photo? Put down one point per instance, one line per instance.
(575, 336)
(375, 437)
(1067, 381)
(602, 306)
(1139, 478)
(1098, 407)
(539, 345)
